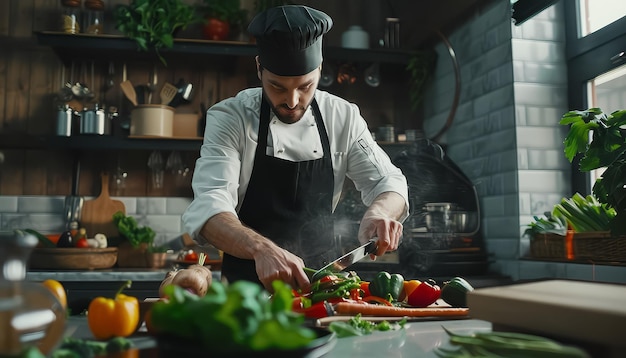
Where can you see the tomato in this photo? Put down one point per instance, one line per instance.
(191, 256)
(216, 30)
(57, 289)
(82, 243)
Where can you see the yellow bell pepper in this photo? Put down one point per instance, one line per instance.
(117, 317)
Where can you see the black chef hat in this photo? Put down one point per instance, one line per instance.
(289, 38)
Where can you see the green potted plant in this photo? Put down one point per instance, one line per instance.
(139, 240)
(156, 256)
(607, 149)
(221, 18)
(153, 23)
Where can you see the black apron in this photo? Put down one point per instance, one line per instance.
(289, 203)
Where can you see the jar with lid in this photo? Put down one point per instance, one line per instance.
(93, 17)
(70, 16)
(30, 315)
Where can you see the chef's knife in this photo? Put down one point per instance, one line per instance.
(348, 259)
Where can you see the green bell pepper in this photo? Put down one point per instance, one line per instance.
(454, 292)
(387, 286)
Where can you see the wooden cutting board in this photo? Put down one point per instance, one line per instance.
(97, 214)
(579, 310)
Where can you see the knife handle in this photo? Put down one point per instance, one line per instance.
(371, 246)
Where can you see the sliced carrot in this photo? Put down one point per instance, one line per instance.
(348, 308)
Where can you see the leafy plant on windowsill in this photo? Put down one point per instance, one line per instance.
(153, 23)
(607, 149)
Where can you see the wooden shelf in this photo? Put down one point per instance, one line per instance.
(70, 47)
(97, 142)
(76, 47)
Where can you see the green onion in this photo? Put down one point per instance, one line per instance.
(506, 344)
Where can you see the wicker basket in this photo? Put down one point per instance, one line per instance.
(548, 246)
(599, 246)
(588, 246)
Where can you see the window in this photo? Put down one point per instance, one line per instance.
(596, 14)
(596, 60)
(607, 91)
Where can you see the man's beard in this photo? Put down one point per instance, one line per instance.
(286, 114)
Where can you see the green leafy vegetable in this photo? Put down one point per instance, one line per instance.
(236, 317)
(85, 348)
(547, 224)
(130, 229)
(357, 326)
(584, 214)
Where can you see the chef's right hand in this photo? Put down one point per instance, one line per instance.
(280, 264)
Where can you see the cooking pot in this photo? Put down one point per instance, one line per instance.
(445, 217)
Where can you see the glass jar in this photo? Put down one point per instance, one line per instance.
(30, 315)
(93, 17)
(70, 16)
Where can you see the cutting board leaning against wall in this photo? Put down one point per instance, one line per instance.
(97, 214)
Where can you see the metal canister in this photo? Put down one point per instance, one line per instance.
(65, 117)
(93, 121)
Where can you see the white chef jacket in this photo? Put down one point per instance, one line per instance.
(223, 170)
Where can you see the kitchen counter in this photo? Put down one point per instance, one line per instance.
(114, 274)
(84, 285)
(417, 339)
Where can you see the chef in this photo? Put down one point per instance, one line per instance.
(274, 160)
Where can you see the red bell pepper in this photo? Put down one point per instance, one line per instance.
(425, 294)
(365, 287)
(316, 310)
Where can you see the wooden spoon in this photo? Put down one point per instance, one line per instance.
(129, 91)
(167, 93)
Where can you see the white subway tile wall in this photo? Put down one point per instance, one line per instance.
(505, 134)
(45, 213)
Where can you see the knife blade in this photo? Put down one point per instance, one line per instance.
(348, 259)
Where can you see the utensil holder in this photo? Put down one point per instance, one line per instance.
(152, 120)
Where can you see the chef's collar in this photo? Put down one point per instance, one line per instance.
(289, 38)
